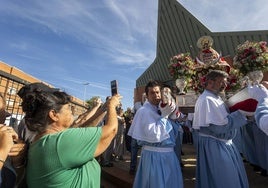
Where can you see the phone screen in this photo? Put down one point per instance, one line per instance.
(114, 89)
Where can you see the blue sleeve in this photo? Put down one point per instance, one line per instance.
(235, 120)
(262, 109)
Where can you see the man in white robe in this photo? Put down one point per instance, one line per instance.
(219, 163)
(159, 165)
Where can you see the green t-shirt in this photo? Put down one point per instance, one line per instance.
(65, 159)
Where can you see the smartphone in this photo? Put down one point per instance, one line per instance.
(114, 87)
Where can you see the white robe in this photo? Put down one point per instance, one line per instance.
(146, 126)
(212, 110)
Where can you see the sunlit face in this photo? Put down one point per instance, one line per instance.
(65, 116)
(154, 95)
(218, 85)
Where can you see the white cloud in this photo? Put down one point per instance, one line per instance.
(117, 11)
(229, 15)
(83, 20)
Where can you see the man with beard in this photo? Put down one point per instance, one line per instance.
(219, 163)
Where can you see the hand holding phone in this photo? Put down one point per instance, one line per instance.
(114, 87)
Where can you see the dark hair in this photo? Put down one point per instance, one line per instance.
(212, 75)
(37, 104)
(36, 86)
(152, 83)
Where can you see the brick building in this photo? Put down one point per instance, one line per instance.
(11, 80)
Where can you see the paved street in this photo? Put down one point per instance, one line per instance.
(255, 179)
(120, 170)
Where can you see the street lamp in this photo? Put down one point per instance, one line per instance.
(85, 91)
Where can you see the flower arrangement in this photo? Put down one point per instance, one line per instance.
(200, 77)
(182, 66)
(194, 73)
(251, 56)
(203, 69)
(235, 82)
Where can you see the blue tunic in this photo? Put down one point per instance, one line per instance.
(261, 147)
(159, 166)
(248, 140)
(219, 163)
(238, 141)
(245, 142)
(261, 132)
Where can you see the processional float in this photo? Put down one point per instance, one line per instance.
(249, 64)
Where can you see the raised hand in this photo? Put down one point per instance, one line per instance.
(257, 92)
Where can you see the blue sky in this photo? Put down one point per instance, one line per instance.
(69, 43)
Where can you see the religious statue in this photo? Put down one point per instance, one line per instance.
(207, 55)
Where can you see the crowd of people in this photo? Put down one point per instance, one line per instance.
(57, 151)
(52, 149)
(214, 129)
(219, 162)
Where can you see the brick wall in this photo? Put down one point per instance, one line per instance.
(11, 80)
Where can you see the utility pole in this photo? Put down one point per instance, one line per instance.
(85, 91)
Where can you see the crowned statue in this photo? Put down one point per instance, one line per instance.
(208, 59)
(206, 54)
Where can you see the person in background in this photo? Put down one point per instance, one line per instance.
(219, 163)
(91, 117)
(128, 119)
(60, 156)
(177, 121)
(7, 136)
(138, 105)
(3, 113)
(12, 152)
(134, 147)
(119, 138)
(179, 138)
(73, 108)
(106, 157)
(159, 165)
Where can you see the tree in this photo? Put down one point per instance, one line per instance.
(91, 102)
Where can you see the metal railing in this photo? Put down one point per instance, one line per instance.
(9, 86)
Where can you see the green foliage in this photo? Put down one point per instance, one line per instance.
(91, 102)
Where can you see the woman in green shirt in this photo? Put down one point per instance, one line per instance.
(61, 156)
